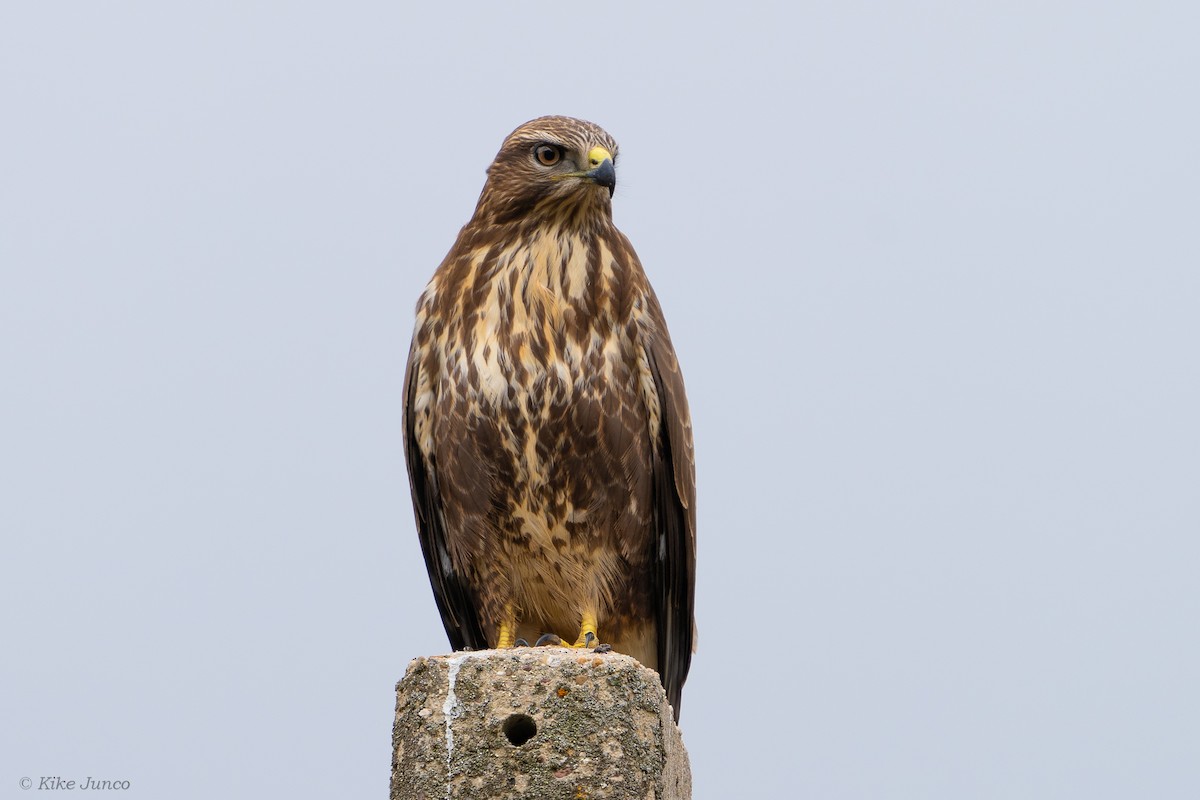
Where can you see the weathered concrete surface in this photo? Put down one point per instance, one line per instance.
(546, 722)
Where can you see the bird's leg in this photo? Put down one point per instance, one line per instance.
(587, 631)
(508, 636)
(508, 629)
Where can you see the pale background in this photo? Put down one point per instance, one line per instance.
(932, 273)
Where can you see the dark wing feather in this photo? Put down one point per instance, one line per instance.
(674, 514)
(455, 600)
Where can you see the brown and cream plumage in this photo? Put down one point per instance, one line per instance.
(548, 440)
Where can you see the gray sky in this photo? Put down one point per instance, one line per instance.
(931, 271)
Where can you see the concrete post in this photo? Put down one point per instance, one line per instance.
(546, 722)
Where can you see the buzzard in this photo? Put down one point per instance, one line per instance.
(547, 434)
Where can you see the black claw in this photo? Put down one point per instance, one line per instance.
(520, 643)
(603, 648)
(547, 639)
(588, 639)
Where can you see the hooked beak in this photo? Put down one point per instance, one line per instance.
(602, 171)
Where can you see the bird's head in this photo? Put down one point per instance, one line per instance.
(552, 167)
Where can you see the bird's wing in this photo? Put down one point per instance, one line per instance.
(674, 541)
(455, 599)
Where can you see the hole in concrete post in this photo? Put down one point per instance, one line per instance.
(519, 728)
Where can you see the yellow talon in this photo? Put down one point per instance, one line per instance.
(588, 626)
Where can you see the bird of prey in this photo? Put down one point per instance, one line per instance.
(548, 440)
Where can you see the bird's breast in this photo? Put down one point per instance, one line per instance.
(533, 348)
(538, 329)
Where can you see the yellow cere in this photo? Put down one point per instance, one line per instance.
(597, 156)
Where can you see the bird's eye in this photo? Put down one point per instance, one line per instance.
(547, 154)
